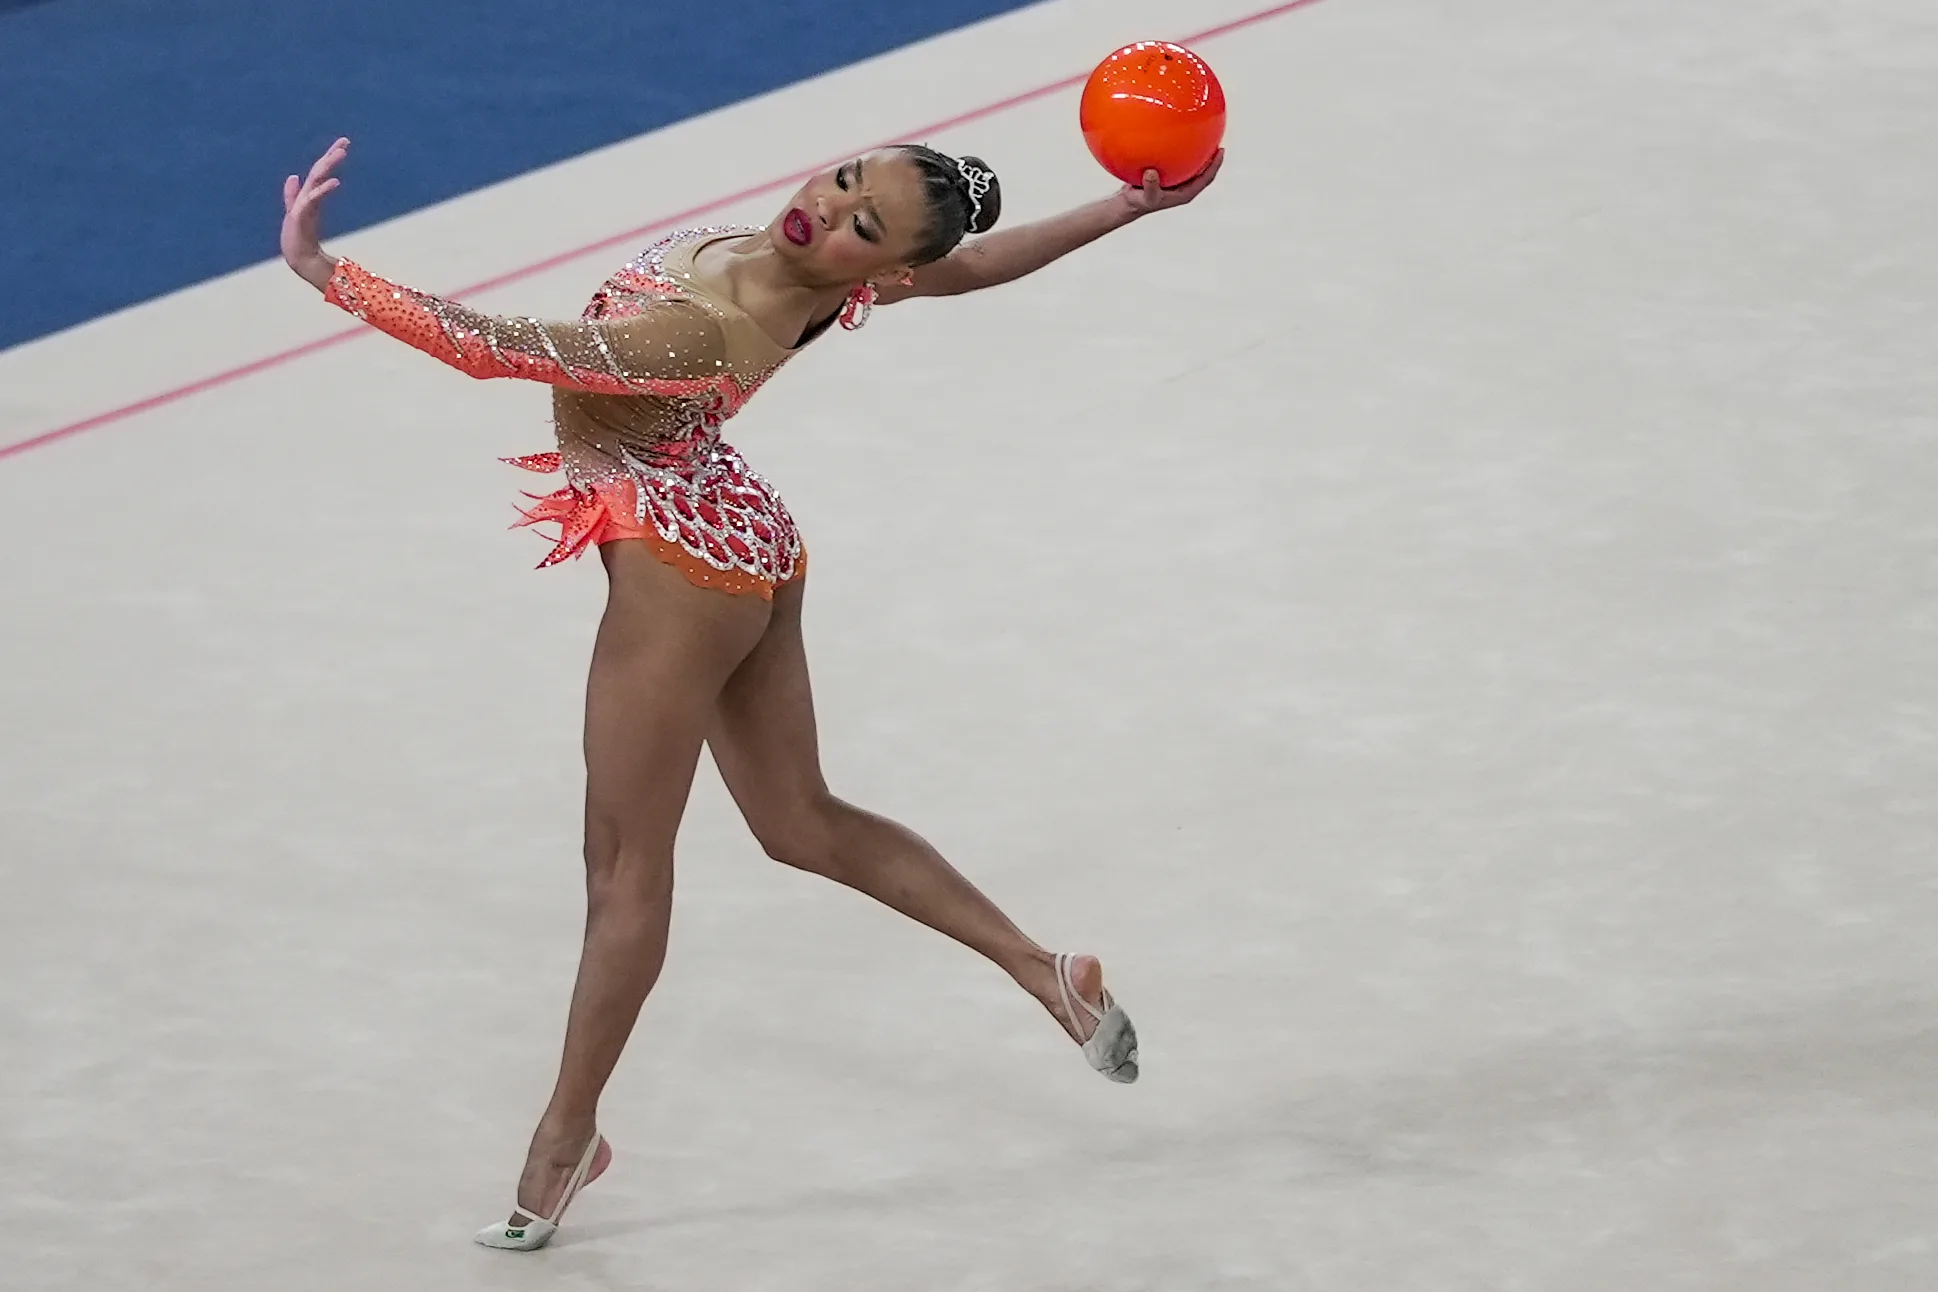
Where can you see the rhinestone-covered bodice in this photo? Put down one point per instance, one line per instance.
(666, 429)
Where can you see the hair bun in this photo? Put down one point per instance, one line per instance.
(988, 208)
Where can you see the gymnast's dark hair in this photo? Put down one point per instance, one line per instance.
(954, 209)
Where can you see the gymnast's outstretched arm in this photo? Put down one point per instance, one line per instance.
(1009, 254)
(675, 347)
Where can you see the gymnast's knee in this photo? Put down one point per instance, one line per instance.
(805, 836)
(624, 873)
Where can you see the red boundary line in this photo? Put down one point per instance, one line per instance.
(629, 236)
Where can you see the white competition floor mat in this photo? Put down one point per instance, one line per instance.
(1450, 618)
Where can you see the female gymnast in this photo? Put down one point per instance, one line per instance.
(700, 642)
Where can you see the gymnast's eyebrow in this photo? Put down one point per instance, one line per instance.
(873, 211)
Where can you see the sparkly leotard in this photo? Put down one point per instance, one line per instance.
(642, 385)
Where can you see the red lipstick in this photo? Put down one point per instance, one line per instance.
(797, 228)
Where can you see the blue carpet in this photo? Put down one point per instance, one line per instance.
(146, 140)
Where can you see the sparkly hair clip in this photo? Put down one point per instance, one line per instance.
(978, 181)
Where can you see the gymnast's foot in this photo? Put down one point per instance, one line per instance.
(554, 1173)
(1073, 991)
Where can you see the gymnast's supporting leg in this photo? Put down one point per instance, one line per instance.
(664, 649)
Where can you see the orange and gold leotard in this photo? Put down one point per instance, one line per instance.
(641, 386)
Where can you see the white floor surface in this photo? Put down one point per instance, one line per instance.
(1452, 619)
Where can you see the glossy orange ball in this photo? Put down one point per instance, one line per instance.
(1153, 105)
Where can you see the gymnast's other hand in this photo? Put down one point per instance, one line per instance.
(1151, 197)
(303, 214)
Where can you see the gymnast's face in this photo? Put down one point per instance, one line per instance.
(860, 222)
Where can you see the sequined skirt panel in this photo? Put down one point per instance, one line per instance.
(707, 514)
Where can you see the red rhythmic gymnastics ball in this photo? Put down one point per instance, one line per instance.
(1153, 106)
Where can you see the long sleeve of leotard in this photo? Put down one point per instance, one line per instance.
(673, 347)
